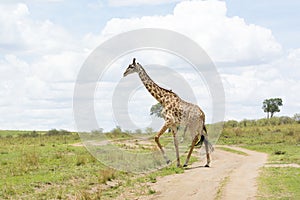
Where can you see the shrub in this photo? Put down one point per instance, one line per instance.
(53, 132)
(138, 131)
(262, 122)
(278, 152)
(97, 132)
(231, 123)
(247, 122)
(117, 133)
(106, 175)
(297, 117)
(274, 121)
(238, 131)
(81, 160)
(286, 120)
(149, 130)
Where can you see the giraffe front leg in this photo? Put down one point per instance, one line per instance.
(174, 132)
(162, 130)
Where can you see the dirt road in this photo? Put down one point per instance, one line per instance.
(231, 176)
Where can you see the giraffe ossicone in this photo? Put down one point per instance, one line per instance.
(175, 112)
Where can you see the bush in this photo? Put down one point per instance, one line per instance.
(279, 152)
(138, 131)
(286, 120)
(106, 175)
(117, 133)
(117, 130)
(296, 117)
(149, 130)
(263, 122)
(32, 134)
(53, 132)
(81, 160)
(97, 132)
(231, 123)
(247, 122)
(274, 121)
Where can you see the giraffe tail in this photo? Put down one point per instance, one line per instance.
(200, 142)
(210, 146)
(205, 140)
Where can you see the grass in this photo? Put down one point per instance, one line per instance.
(39, 165)
(282, 144)
(14, 133)
(48, 166)
(279, 153)
(221, 188)
(268, 139)
(279, 183)
(45, 167)
(106, 175)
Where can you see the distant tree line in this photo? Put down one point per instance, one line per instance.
(57, 132)
(264, 121)
(51, 132)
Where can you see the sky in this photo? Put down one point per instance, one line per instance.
(255, 46)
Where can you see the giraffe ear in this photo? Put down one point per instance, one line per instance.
(133, 62)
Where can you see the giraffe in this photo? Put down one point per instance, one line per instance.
(175, 112)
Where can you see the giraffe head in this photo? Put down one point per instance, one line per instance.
(134, 67)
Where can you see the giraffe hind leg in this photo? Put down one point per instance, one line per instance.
(183, 135)
(208, 148)
(191, 150)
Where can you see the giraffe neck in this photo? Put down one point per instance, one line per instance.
(155, 90)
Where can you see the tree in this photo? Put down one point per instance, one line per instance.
(116, 130)
(149, 130)
(156, 110)
(97, 131)
(297, 117)
(270, 106)
(138, 131)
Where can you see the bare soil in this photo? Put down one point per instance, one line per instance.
(231, 176)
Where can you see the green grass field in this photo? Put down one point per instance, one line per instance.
(282, 144)
(46, 165)
(37, 165)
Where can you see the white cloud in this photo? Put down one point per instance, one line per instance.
(251, 50)
(246, 89)
(118, 3)
(41, 59)
(226, 39)
(257, 59)
(19, 33)
(30, 94)
(37, 70)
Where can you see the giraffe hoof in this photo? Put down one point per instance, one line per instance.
(206, 165)
(185, 165)
(168, 162)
